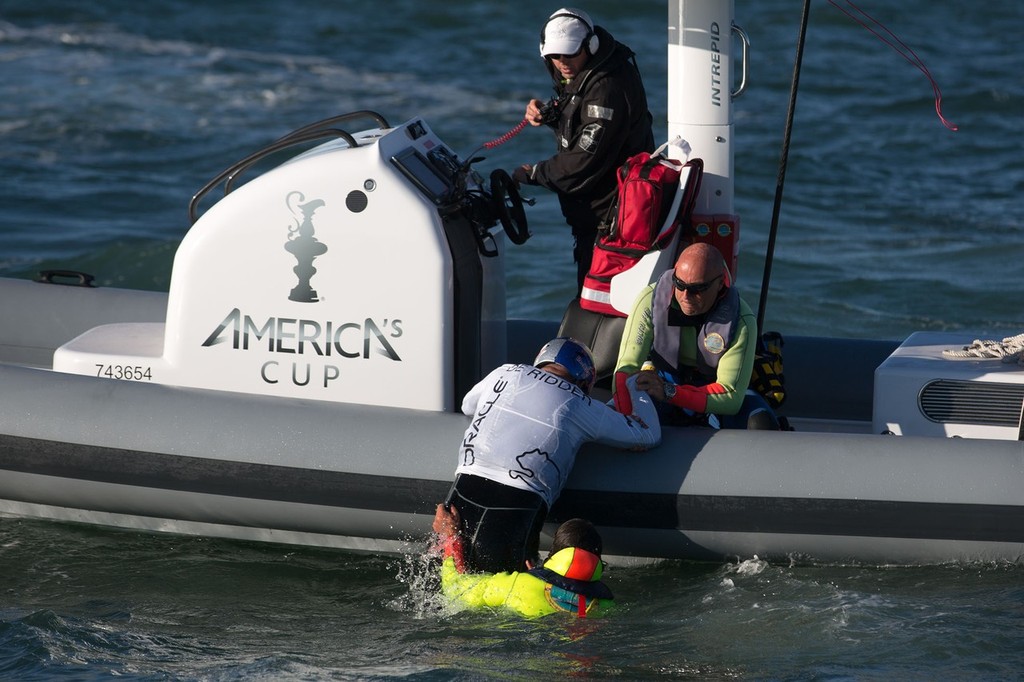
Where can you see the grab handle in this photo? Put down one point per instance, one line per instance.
(745, 53)
(77, 279)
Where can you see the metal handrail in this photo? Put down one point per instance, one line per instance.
(293, 137)
(236, 168)
(746, 54)
(313, 131)
(342, 118)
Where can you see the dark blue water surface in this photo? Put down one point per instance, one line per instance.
(113, 114)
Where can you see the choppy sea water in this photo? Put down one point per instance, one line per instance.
(86, 604)
(113, 114)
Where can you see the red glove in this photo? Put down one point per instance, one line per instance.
(623, 400)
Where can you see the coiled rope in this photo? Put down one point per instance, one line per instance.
(499, 140)
(1010, 349)
(506, 137)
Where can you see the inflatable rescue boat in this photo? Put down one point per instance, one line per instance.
(300, 380)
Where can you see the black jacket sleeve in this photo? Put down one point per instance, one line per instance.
(590, 142)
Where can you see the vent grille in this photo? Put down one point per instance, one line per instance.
(972, 402)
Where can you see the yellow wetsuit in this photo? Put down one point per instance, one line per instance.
(570, 581)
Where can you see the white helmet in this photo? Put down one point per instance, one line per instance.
(574, 356)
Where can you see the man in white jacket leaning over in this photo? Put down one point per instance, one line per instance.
(528, 423)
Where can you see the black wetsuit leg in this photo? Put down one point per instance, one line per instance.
(501, 524)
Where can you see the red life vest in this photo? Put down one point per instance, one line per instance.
(643, 221)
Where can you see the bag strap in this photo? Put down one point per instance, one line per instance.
(679, 143)
(684, 200)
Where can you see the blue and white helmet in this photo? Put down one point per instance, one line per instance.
(574, 356)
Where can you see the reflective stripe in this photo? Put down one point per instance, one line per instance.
(595, 295)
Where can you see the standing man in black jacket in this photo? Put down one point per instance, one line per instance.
(600, 118)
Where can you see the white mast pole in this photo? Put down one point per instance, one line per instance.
(700, 93)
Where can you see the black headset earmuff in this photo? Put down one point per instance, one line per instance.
(590, 41)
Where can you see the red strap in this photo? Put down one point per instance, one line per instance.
(582, 604)
(453, 548)
(623, 400)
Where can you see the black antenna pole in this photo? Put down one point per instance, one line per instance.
(770, 254)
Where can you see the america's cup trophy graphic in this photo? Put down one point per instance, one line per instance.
(303, 245)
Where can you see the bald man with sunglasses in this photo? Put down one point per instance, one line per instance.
(701, 337)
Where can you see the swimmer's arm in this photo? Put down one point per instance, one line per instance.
(475, 590)
(446, 525)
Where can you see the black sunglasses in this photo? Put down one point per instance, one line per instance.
(693, 288)
(563, 57)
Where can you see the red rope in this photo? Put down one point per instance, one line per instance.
(507, 136)
(906, 52)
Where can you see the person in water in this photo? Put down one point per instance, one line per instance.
(701, 338)
(600, 119)
(528, 422)
(569, 581)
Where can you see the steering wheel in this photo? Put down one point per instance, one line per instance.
(508, 206)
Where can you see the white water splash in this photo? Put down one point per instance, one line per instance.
(421, 573)
(752, 566)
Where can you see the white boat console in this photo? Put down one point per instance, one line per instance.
(920, 392)
(367, 270)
